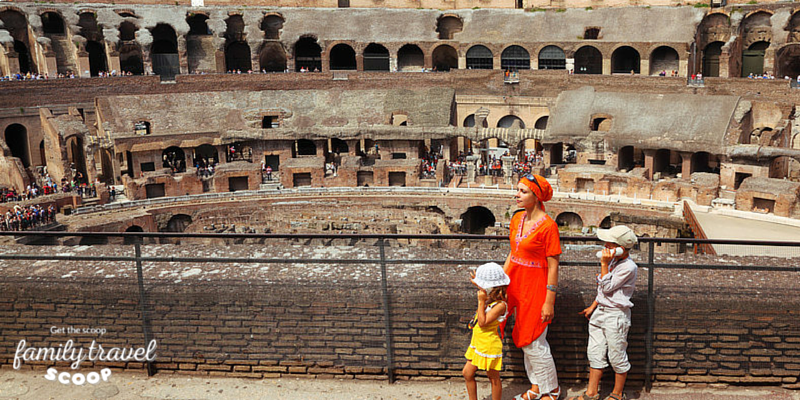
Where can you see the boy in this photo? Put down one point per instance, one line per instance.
(610, 313)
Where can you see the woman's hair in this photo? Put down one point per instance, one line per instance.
(497, 293)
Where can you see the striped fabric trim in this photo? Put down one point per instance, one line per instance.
(485, 355)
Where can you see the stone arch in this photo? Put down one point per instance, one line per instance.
(447, 25)
(130, 59)
(237, 57)
(376, 58)
(588, 60)
(87, 21)
(711, 56)
(511, 122)
(664, 58)
(133, 239)
(178, 223)
(271, 25)
(476, 219)
(342, 57)
(107, 166)
(541, 123)
(127, 31)
(304, 147)
(234, 28)
(479, 57)
(174, 159)
(624, 60)
(515, 58)
(662, 163)
(53, 23)
(553, 57)
(716, 27)
(605, 223)
(410, 58)
(272, 57)
(164, 51)
(16, 137)
(444, 58)
(601, 123)
(569, 220)
(307, 54)
(788, 61)
(703, 161)
(469, 122)
(42, 153)
(206, 153)
(198, 24)
(753, 58)
(629, 157)
(339, 146)
(794, 28)
(97, 57)
(24, 57)
(76, 156)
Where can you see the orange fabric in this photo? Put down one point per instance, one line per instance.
(528, 273)
(541, 189)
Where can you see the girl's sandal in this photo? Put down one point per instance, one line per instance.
(613, 396)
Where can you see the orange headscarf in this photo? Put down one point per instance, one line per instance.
(540, 187)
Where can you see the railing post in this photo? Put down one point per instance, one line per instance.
(386, 313)
(651, 318)
(142, 303)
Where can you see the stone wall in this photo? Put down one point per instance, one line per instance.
(273, 321)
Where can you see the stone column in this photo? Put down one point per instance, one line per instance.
(686, 164)
(649, 162)
(606, 66)
(471, 169)
(84, 70)
(359, 62)
(508, 169)
(183, 55)
(644, 67)
(462, 62)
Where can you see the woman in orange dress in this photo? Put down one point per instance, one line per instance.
(533, 268)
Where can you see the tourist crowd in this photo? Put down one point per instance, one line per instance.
(23, 218)
(204, 167)
(33, 76)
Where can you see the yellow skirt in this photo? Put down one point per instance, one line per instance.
(486, 348)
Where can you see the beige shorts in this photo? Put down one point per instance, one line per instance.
(608, 339)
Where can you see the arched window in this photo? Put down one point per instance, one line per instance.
(237, 57)
(479, 57)
(515, 58)
(552, 57)
(624, 60)
(711, 56)
(16, 137)
(447, 26)
(52, 23)
(97, 57)
(511, 121)
(272, 25)
(445, 58)
(664, 58)
(164, 51)
(410, 58)
(307, 55)
(272, 57)
(376, 58)
(342, 57)
(198, 24)
(588, 60)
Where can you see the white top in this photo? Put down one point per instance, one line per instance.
(616, 288)
(501, 318)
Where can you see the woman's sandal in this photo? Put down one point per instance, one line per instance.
(613, 396)
(585, 396)
(531, 395)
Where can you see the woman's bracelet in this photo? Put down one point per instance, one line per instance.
(552, 288)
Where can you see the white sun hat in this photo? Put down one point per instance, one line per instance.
(491, 275)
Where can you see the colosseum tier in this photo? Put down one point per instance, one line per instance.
(174, 100)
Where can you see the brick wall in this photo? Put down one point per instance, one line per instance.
(292, 327)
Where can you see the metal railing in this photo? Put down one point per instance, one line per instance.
(136, 239)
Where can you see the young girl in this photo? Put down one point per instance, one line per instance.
(485, 350)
